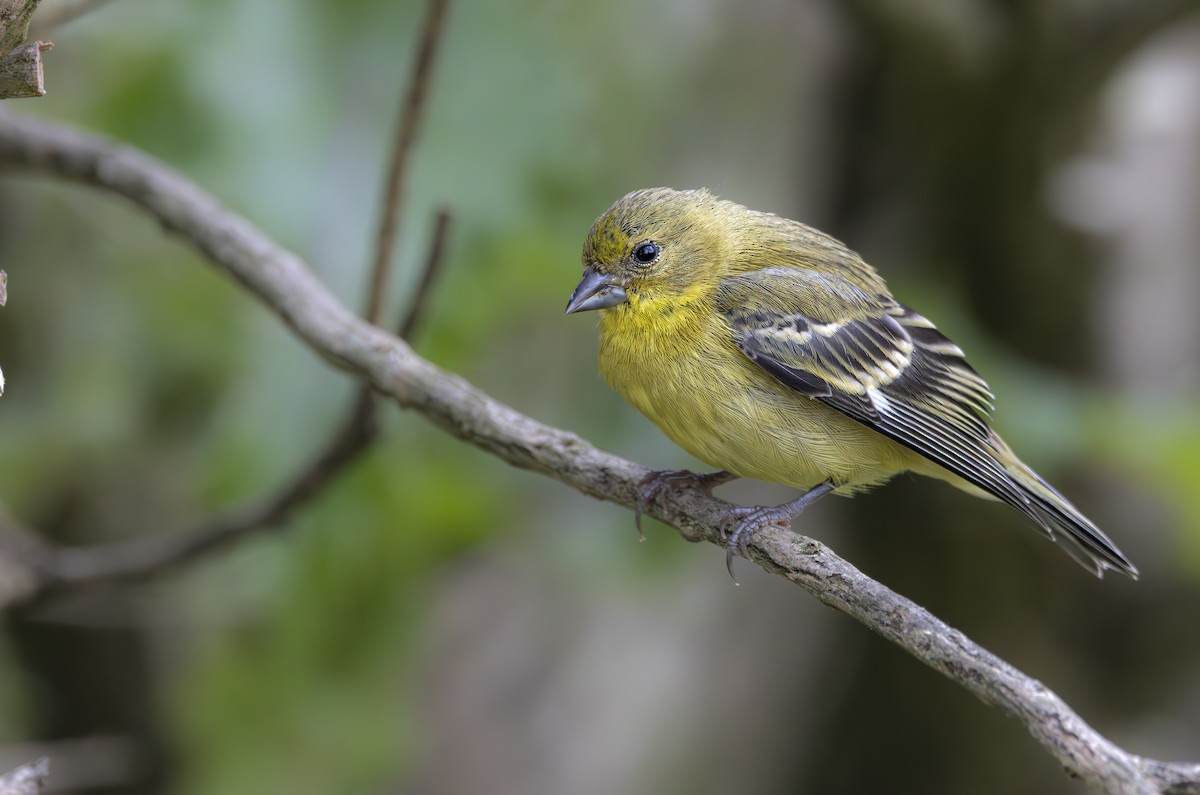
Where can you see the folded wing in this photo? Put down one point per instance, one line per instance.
(890, 369)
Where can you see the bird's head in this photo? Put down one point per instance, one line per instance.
(653, 246)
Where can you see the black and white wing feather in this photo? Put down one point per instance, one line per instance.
(890, 369)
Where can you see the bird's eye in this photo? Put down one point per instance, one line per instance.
(646, 253)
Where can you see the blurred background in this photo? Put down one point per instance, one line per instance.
(1025, 172)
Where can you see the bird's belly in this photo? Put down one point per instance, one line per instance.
(725, 411)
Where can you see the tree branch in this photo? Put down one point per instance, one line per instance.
(29, 566)
(281, 281)
(406, 133)
(429, 273)
(14, 22)
(57, 566)
(60, 566)
(20, 64)
(21, 72)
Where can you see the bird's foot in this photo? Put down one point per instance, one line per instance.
(748, 521)
(652, 485)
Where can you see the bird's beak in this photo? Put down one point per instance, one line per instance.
(595, 290)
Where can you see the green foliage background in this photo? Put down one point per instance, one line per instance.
(439, 622)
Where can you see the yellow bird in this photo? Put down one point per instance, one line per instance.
(769, 350)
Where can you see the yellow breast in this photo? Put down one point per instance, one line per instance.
(677, 363)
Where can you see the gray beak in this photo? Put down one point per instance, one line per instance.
(595, 291)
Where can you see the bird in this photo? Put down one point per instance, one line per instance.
(769, 350)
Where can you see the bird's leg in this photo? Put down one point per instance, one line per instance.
(653, 484)
(751, 520)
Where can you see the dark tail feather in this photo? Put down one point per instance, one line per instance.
(1067, 527)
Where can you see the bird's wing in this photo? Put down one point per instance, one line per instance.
(872, 359)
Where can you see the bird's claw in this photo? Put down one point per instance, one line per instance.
(652, 485)
(751, 520)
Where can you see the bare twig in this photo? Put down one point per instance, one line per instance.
(283, 283)
(64, 566)
(14, 22)
(26, 780)
(21, 73)
(56, 566)
(429, 272)
(29, 566)
(406, 133)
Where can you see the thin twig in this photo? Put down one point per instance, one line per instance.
(406, 133)
(55, 567)
(429, 273)
(285, 285)
(60, 566)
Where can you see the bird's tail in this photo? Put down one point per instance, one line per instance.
(1062, 521)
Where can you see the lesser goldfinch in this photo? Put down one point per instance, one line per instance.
(770, 350)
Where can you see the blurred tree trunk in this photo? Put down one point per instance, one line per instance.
(89, 651)
(949, 130)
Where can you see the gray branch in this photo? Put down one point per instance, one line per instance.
(21, 72)
(20, 64)
(14, 22)
(285, 285)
